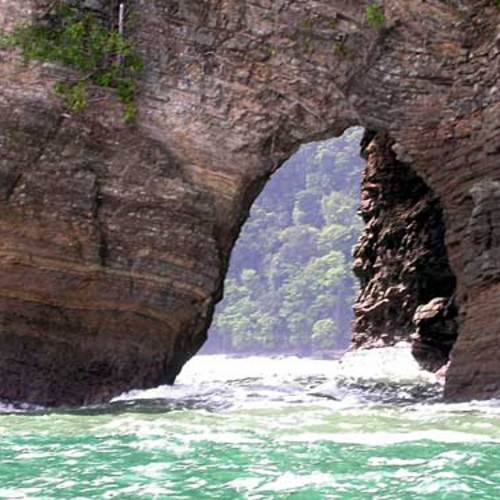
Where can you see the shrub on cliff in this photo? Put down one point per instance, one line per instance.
(79, 39)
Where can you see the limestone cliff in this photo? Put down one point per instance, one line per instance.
(115, 238)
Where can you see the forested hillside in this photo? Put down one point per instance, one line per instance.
(290, 286)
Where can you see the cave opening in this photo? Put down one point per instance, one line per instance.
(340, 248)
(290, 286)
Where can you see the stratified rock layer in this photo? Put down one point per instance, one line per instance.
(115, 239)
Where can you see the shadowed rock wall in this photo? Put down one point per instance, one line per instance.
(115, 239)
(407, 286)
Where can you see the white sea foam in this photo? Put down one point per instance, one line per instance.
(293, 482)
(213, 374)
(368, 438)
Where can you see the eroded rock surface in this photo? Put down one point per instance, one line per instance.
(115, 239)
(407, 286)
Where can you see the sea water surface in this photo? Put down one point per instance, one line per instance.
(371, 426)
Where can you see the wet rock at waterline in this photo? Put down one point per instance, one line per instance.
(115, 238)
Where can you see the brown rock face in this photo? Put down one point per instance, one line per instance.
(401, 261)
(115, 239)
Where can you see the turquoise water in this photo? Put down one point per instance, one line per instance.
(262, 428)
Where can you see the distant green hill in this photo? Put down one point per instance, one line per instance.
(290, 287)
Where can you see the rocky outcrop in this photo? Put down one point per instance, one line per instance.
(436, 333)
(401, 261)
(115, 239)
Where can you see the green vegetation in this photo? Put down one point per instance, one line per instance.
(340, 49)
(78, 39)
(290, 286)
(73, 95)
(375, 16)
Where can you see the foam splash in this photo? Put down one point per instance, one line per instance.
(216, 382)
(394, 365)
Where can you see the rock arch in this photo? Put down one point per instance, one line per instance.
(115, 239)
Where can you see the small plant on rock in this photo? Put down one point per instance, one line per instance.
(74, 95)
(79, 39)
(375, 16)
(340, 49)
